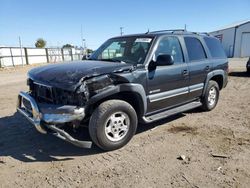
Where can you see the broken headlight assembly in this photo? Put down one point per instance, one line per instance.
(95, 85)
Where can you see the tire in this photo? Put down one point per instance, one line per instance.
(248, 70)
(112, 124)
(211, 96)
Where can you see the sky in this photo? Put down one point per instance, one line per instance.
(60, 21)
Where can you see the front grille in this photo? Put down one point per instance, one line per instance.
(51, 95)
(43, 93)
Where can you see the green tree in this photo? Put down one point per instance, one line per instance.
(68, 46)
(40, 43)
(90, 51)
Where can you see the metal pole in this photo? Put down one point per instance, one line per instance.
(121, 28)
(82, 40)
(20, 44)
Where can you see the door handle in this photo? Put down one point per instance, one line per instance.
(185, 73)
(207, 68)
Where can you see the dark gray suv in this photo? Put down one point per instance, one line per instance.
(129, 79)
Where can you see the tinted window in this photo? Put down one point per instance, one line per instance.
(170, 46)
(195, 49)
(132, 50)
(215, 47)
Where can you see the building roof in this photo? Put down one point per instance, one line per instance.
(233, 25)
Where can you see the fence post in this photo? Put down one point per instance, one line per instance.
(13, 63)
(71, 51)
(26, 56)
(62, 54)
(47, 54)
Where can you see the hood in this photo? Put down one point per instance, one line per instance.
(68, 74)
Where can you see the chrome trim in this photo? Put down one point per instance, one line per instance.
(78, 114)
(168, 94)
(36, 116)
(196, 87)
(175, 92)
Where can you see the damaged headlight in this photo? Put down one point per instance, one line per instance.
(95, 85)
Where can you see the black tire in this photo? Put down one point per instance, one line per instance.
(102, 116)
(207, 103)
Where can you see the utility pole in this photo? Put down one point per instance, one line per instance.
(121, 30)
(20, 44)
(82, 39)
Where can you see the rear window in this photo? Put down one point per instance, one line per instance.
(215, 47)
(195, 49)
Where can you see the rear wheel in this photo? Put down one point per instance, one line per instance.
(112, 124)
(211, 96)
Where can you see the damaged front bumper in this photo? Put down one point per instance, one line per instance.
(51, 115)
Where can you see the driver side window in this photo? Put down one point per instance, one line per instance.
(170, 46)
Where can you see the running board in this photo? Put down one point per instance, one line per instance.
(173, 111)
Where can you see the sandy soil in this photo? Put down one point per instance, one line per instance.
(30, 159)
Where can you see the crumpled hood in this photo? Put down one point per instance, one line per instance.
(68, 74)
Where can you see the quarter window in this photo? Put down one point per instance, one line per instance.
(195, 49)
(170, 46)
(215, 47)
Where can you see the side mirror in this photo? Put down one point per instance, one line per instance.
(164, 59)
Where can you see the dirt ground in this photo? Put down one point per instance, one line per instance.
(30, 159)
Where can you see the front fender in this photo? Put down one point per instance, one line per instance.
(126, 87)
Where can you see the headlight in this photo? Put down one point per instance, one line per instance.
(95, 85)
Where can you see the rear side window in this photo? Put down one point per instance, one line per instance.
(215, 47)
(195, 49)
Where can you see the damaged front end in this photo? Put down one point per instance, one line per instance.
(52, 109)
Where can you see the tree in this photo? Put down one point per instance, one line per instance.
(90, 51)
(68, 46)
(40, 43)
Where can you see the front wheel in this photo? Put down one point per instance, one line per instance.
(112, 124)
(211, 96)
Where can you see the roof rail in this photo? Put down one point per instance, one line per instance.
(172, 31)
(167, 30)
(204, 33)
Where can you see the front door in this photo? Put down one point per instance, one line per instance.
(167, 86)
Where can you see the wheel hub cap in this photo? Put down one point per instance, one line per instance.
(212, 96)
(117, 126)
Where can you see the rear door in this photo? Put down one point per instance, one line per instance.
(167, 86)
(198, 65)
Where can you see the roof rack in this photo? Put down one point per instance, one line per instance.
(204, 33)
(172, 31)
(168, 30)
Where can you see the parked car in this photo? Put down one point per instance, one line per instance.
(129, 79)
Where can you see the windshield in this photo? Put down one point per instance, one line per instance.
(132, 50)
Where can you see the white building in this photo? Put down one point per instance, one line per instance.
(235, 39)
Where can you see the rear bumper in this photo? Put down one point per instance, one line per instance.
(51, 115)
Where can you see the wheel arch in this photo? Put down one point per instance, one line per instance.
(217, 76)
(134, 94)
